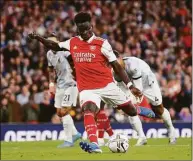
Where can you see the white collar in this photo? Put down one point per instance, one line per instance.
(90, 39)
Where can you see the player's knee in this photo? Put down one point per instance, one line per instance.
(132, 112)
(129, 109)
(158, 110)
(62, 112)
(90, 107)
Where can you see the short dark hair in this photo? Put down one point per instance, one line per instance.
(82, 17)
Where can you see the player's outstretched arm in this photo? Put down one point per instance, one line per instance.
(120, 72)
(48, 43)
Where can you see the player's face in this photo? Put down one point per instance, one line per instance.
(84, 30)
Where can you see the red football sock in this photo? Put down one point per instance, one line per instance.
(100, 118)
(90, 126)
(103, 123)
(109, 129)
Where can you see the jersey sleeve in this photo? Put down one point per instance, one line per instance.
(65, 44)
(65, 53)
(48, 55)
(135, 70)
(107, 51)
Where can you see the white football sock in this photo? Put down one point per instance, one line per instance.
(137, 125)
(167, 119)
(74, 130)
(67, 126)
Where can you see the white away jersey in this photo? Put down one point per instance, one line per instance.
(137, 68)
(62, 67)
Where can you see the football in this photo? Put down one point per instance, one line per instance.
(118, 144)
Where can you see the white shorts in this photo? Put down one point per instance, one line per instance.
(111, 94)
(153, 93)
(66, 97)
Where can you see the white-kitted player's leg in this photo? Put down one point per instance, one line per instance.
(63, 102)
(70, 100)
(134, 120)
(137, 126)
(67, 126)
(65, 117)
(153, 94)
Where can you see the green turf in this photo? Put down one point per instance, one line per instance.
(157, 149)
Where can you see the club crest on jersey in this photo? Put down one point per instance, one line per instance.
(75, 47)
(92, 47)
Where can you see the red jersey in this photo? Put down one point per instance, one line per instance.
(91, 60)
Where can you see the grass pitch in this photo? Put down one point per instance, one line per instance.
(157, 149)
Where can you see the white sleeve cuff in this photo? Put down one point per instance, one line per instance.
(65, 44)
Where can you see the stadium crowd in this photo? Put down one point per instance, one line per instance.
(159, 32)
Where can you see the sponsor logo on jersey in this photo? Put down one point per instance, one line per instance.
(83, 57)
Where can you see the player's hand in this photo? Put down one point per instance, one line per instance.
(52, 88)
(32, 35)
(136, 92)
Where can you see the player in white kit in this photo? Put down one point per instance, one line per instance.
(65, 91)
(145, 80)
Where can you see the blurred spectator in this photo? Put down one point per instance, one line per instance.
(4, 110)
(46, 109)
(15, 110)
(185, 115)
(23, 97)
(31, 111)
(173, 114)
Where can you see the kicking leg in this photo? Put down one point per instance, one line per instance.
(131, 110)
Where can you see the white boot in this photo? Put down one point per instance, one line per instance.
(141, 141)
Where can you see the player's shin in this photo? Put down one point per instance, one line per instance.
(90, 126)
(109, 129)
(103, 123)
(137, 125)
(67, 125)
(75, 134)
(168, 122)
(100, 119)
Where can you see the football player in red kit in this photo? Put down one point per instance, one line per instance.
(91, 56)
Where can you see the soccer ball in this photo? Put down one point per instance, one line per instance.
(118, 144)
